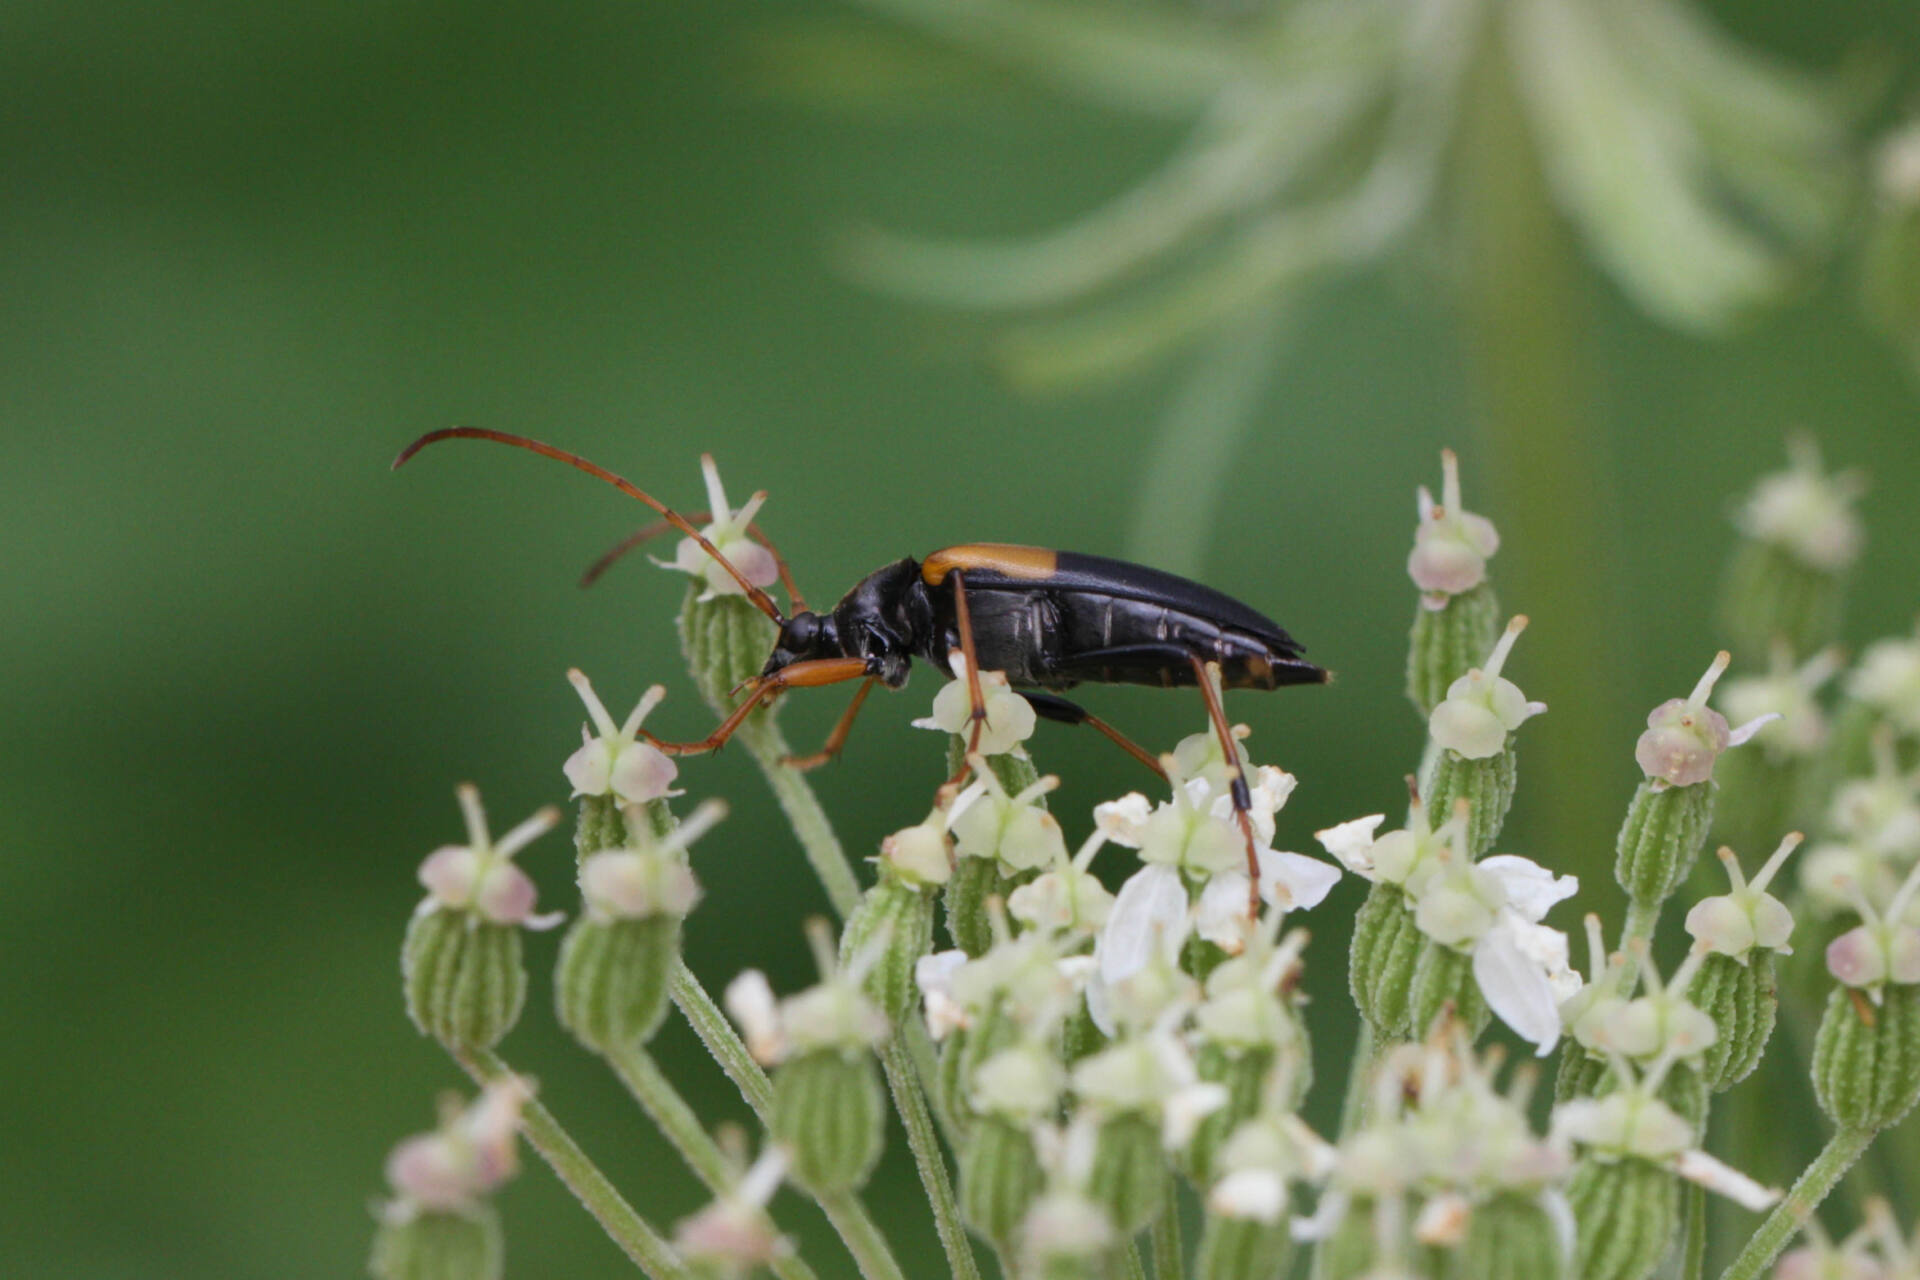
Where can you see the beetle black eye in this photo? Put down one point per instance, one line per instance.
(802, 630)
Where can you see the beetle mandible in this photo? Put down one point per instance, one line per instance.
(1047, 619)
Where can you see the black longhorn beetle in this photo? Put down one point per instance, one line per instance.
(1048, 619)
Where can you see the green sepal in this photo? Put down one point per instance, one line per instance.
(1244, 1073)
(1866, 1058)
(1444, 977)
(1000, 1175)
(1486, 785)
(1509, 1237)
(1742, 1001)
(1448, 642)
(827, 1113)
(439, 1246)
(1080, 1036)
(1770, 595)
(1129, 1176)
(614, 980)
(902, 915)
(464, 978)
(1242, 1249)
(1660, 839)
(1628, 1210)
(725, 641)
(1386, 948)
(975, 882)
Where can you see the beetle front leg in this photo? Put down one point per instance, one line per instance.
(976, 696)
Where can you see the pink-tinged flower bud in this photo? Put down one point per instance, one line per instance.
(1749, 917)
(1882, 949)
(1481, 708)
(615, 762)
(1451, 546)
(731, 536)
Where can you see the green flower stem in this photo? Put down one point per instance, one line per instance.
(1360, 1066)
(717, 1034)
(1693, 1249)
(636, 1238)
(1642, 918)
(768, 747)
(1522, 298)
(843, 1209)
(1127, 1263)
(676, 1120)
(926, 1065)
(911, 1102)
(1842, 1150)
(1169, 1262)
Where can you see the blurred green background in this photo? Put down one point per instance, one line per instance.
(249, 251)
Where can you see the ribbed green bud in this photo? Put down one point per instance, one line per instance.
(1509, 1237)
(1129, 1176)
(1244, 1073)
(1771, 595)
(1866, 1059)
(1348, 1254)
(1487, 787)
(726, 642)
(978, 881)
(601, 825)
(975, 883)
(898, 917)
(439, 1246)
(1000, 1175)
(950, 1085)
(464, 978)
(1580, 1074)
(1741, 1000)
(1660, 839)
(614, 978)
(1627, 1210)
(1444, 977)
(1448, 641)
(1242, 1249)
(1386, 948)
(827, 1114)
(1080, 1036)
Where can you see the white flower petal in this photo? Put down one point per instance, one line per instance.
(1352, 843)
(1745, 732)
(749, 998)
(1150, 910)
(1221, 914)
(1259, 1194)
(1124, 820)
(1293, 881)
(1516, 986)
(1531, 889)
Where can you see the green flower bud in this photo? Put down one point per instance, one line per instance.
(726, 642)
(1129, 1175)
(1663, 833)
(1242, 1249)
(1580, 1075)
(1866, 1057)
(1486, 785)
(1801, 537)
(1741, 1000)
(1000, 1176)
(614, 978)
(895, 917)
(464, 977)
(950, 1085)
(965, 1052)
(603, 825)
(827, 1113)
(1350, 1252)
(1447, 642)
(461, 1245)
(1245, 1074)
(1509, 1237)
(1442, 980)
(976, 882)
(1386, 948)
(1628, 1210)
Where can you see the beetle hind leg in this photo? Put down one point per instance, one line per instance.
(1203, 672)
(1052, 707)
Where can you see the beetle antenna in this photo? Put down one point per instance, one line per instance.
(760, 599)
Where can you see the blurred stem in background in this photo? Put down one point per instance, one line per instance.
(1521, 295)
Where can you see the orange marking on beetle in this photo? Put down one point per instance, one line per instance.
(1031, 564)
